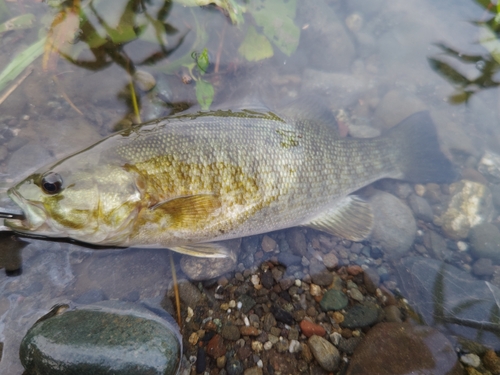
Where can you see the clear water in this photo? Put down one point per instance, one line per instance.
(373, 63)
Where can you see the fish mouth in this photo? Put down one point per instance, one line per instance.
(34, 215)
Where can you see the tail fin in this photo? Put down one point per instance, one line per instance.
(420, 158)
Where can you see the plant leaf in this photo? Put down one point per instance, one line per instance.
(233, 9)
(256, 46)
(489, 40)
(204, 94)
(276, 19)
(202, 61)
(20, 62)
(25, 21)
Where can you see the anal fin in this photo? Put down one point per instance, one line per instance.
(351, 218)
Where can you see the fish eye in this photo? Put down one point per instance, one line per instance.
(52, 183)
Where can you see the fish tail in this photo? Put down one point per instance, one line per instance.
(419, 156)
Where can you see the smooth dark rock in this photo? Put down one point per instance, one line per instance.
(394, 227)
(266, 279)
(485, 241)
(483, 267)
(282, 315)
(421, 208)
(107, 337)
(297, 241)
(399, 348)
(201, 360)
(334, 300)
(359, 316)
(319, 274)
(234, 367)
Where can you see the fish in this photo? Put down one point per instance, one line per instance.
(191, 181)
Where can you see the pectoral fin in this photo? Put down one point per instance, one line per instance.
(185, 212)
(206, 250)
(351, 218)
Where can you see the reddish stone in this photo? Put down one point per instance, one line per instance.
(354, 270)
(308, 328)
(249, 331)
(215, 347)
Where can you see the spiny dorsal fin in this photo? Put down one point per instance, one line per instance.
(351, 218)
(188, 210)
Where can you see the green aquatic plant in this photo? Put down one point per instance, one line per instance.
(488, 63)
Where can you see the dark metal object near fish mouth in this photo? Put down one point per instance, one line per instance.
(8, 214)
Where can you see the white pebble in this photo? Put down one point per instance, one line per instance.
(256, 282)
(335, 338)
(268, 345)
(462, 246)
(232, 304)
(471, 359)
(239, 305)
(298, 283)
(247, 322)
(294, 346)
(260, 363)
(190, 314)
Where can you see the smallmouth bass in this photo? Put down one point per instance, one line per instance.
(189, 181)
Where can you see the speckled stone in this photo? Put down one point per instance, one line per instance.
(362, 315)
(334, 300)
(107, 337)
(230, 332)
(325, 353)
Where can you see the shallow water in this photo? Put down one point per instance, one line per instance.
(372, 64)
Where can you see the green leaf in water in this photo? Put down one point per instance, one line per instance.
(276, 19)
(488, 40)
(204, 94)
(25, 21)
(202, 60)
(231, 7)
(21, 62)
(256, 46)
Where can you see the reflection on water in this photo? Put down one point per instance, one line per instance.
(372, 64)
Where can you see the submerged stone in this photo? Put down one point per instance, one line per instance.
(471, 204)
(109, 337)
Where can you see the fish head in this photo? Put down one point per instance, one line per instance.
(95, 205)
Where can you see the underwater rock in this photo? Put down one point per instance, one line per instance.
(394, 227)
(400, 348)
(489, 165)
(450, 299)
(144, 80)
(107, 337)
(471, 204)
(485, 242)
